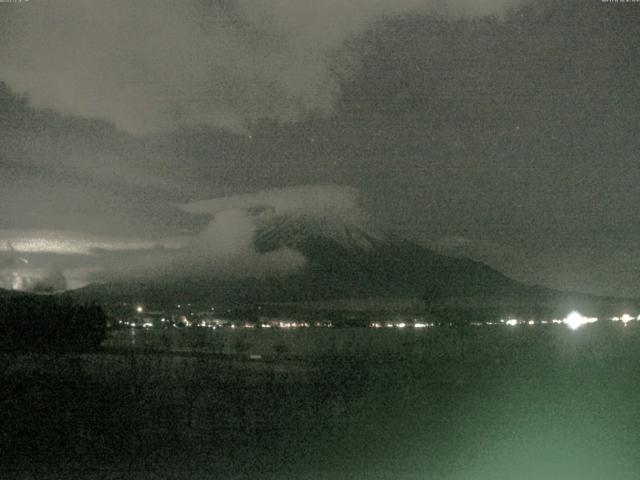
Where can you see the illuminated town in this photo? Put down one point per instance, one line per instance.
(210, 319)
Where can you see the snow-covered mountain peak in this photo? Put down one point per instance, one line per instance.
(297, 216)
(297, 230)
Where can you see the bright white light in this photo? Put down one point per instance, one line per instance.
(420, 325)
(139, 309)
(626, 318)
(574, 320)
(401, 325)
(531, 322)
(512, 322)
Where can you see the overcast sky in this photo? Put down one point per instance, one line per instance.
(499, 129)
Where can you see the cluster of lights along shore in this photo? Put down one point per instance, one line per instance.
(573, 320)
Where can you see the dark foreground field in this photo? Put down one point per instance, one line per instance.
(483, 403)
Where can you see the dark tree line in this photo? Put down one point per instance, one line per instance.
(50, 323)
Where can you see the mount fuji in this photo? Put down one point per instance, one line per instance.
(346, 257)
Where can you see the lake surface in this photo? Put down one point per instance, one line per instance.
(451, 404)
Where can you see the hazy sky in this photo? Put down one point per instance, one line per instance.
(503, 130)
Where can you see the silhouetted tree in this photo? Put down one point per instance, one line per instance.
(43, 322)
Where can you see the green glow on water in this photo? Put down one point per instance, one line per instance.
(568, 412)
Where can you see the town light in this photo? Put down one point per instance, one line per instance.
(574, 320)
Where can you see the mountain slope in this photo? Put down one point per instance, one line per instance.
(346, 258)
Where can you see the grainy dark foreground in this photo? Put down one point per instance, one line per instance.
(448, 404)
